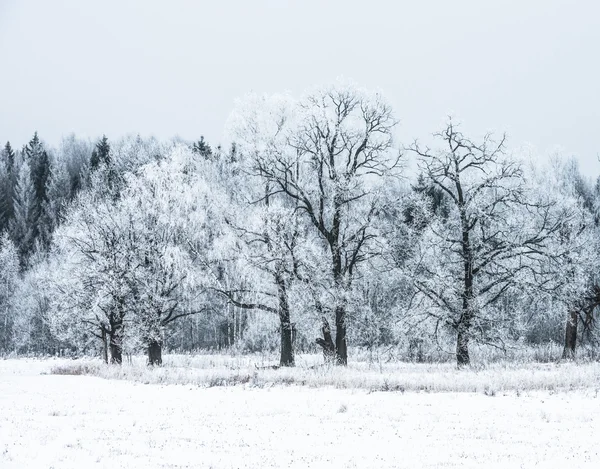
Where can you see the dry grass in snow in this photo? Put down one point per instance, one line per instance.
(251, 371)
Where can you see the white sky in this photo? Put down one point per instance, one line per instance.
(530, 67)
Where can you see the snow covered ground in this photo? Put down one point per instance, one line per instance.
(50, 421)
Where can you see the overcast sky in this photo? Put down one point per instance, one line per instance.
(530, 68)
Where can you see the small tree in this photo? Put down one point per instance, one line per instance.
(202, 148)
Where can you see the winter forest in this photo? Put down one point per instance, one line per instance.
(316, 231)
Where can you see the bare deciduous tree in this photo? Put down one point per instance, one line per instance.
(491, 241)
(327, 153)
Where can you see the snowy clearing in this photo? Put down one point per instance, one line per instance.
(81, 421)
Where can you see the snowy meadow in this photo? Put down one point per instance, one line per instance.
(129, 417)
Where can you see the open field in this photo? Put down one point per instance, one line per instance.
(84, 421)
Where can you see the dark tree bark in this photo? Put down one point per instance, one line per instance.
(585, 305)
(571, 335)
(415, 350)
(154, 353)
(466, 317)
(115, 341)
(341, 348)
(287, 345)
(326, 343)
(462, 347)
(104, 345)
(116, 349)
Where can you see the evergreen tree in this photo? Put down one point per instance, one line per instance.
(7, 182)
(23, 227)
(101, 154)
(434, 197)
(8, 156)
(5, 196)
(202, 148)
(39, 163)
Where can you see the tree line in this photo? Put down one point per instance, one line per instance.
(310, 231)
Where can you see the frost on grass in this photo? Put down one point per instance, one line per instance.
(220, 370)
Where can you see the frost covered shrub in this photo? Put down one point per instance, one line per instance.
(261, 335)
(75, 369)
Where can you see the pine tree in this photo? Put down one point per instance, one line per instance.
(8, 156)
(5, 196)
(39, 163)
(23, 227)
(202, 148)
(7, 182)
(101, 154)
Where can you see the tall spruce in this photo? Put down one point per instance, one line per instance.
(101, 154)
(8, 156)
(39, 164)
(23, 227)
(7, 183)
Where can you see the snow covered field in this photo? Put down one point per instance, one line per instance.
(52, 421)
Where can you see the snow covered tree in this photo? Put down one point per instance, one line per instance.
(59, 192)
(328, 154)
(156, 204)
(9, 275)
(97, 238)
(492, 240)
(574, 285)
(74, 155)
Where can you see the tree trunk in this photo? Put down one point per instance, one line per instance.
(232, 326)
(462, 347)
(104, 346)
(326, 342)
(341, 349)
(467, 313)
(571, 335)
(287, 346)
(415, 350)
(116, 346)
(154, 353)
